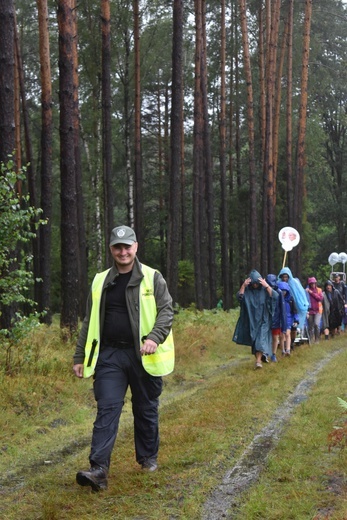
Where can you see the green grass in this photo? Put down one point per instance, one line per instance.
(212, 406)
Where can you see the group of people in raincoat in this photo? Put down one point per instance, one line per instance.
(272, 308)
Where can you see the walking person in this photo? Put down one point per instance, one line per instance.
(333, 309)
(253, 328)
(315, 298)
(299, 295)
(340, 285)
(125, 340)
(279, 318)
(292, 318)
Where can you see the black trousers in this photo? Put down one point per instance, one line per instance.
(117, 369)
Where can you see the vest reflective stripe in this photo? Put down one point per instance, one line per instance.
(91, 351)
(162, 362)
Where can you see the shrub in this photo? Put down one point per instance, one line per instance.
(18, 223)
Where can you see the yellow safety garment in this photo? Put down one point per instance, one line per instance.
(162, 361)
(91, 349)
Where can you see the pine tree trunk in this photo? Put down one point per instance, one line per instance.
(175, 209)
(139, 206)
(225, 264)
(211, 275)
(106, 125)
(82, 242)
(7, 107)
(7, 54)
(300, 186)
(250, 125)
(289, 117)
(46, 162)
(198, 166)
(69, 229)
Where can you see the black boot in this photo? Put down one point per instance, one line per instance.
(95, 477)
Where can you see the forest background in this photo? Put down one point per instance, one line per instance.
(208, 126)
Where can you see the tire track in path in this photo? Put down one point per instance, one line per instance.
(223, 501)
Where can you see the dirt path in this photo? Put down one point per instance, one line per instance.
(224, 500)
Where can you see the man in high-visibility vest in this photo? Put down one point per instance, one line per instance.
(125, 340)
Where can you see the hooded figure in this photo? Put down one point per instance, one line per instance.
(258, 304)
(315, 308)
(298, 293)
(291, 311)
(333, 308)
(288, 338)
(279, 318)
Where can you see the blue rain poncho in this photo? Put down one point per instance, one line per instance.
(253, 327)
(298, 293)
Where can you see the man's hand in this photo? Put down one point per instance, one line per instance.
(78, 370)
(148, 347)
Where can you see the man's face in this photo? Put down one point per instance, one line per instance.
(124, 255)
(285, 278)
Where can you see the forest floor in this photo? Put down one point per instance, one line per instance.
(236, 443)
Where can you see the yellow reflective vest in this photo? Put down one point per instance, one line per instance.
(160, 363)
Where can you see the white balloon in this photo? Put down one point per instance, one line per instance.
(289, 238)
(343, 258)
(333, 258)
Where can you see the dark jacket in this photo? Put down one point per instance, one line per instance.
(279, 318)
(333, 307)
(164, 306)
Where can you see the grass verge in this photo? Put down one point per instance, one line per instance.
(212, 406)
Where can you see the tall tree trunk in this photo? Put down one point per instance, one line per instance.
(289, 116)
(82, 242)
(198, 167)
(211, 301)
(46, 163)
(17, 116)
(69, 230)
(184, 219)
(127, 125)
(269, 172)
(300, 186)
(231, 139)
(224, 234)
(7, 54)
(262, 87)
(7, 107)
(250, 126)
(139, 206)
(161, 170)
(277, 105)
(242, 213)
(175, 210)
(106, 124)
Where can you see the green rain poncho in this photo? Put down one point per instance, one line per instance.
(254, 324)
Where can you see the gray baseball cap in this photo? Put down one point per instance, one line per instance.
(122, 235)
